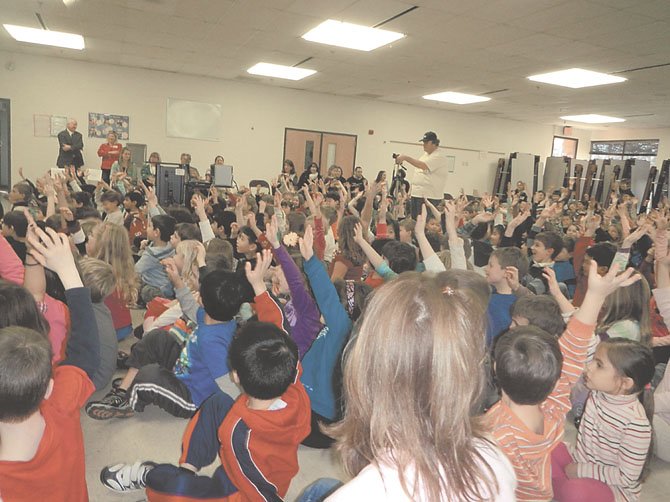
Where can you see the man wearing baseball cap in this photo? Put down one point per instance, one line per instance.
(430, 173)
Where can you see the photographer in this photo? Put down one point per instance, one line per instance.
(430, 173)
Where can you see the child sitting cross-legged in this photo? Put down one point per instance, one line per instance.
(153, 277)
(255, 436)
(535, 372)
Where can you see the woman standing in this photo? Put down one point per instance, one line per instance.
(110, 153)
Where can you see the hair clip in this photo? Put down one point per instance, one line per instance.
(448, 291)
(647, 387)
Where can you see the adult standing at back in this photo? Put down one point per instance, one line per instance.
(109, 152)
(70, 145)
(430, 173)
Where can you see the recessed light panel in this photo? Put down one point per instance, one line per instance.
(576, 78)
(351, 36)
(593, 118)
(280, 71)
(457, 98)
(45, 37)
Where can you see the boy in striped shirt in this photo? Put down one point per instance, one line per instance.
(536, 371)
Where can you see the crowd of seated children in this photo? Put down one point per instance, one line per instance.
(491, 321)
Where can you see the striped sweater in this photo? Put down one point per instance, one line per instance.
(613, 443)
(530, 453)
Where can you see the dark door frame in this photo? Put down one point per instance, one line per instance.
(6, 142)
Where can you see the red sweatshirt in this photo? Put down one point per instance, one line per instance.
(109, 154)
(259, 448)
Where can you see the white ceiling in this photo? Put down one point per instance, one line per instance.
(474, 46)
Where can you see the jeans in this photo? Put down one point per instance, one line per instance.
(319, 490)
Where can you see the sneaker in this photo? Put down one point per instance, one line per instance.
(114, 405)
(126, 477)
(121, 359)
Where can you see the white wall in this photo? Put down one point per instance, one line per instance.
(255, 117)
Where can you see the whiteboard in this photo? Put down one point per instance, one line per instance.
(193, 120)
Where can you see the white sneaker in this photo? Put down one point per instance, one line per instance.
(126, 477)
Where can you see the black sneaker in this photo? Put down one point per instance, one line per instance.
(114, 405)
(126, 477)
(121, 360)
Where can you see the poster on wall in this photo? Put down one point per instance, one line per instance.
(101, 124)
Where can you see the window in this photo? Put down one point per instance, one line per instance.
(643, 149)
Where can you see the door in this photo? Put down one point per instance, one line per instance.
(5, 157)
(303, 148)
(338, 149)
(325, 148)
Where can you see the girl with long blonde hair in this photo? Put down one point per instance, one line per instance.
(109, 242)
(413, 379)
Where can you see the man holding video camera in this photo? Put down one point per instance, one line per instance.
(430, 173)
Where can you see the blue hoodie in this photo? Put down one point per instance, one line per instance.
(320, 360)
(152, 272)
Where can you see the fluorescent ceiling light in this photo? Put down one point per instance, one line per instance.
(280, 71)
(576, 78)
(593, 118)
(45, 37)
(458, 98)
(351, 36)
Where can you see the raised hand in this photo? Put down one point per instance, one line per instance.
(199, 206)
(52, 250)
(420, 226)
(66, 212)
(549, 274)
(256, 276)
(520, 218)
(512, 278)
(358, 233)
(251, 221)
(636, 235)
(271, 232)
(610, 282)
(451, 215)
(591, 225)
(306, 244)
(173, 272)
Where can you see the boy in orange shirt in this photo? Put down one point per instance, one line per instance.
(536, 371)
(41, 443)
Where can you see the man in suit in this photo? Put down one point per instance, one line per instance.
(70, 145)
